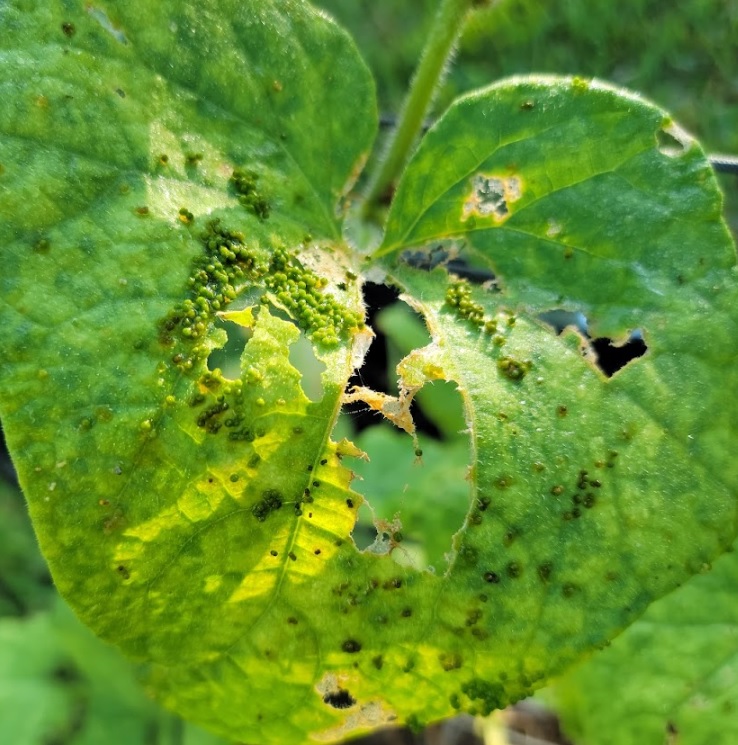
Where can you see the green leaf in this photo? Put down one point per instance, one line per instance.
(57, 681)
(595, 495)
(675, 669)
(160, 162)
(157, 160)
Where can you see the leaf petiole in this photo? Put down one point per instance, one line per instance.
(447, 27)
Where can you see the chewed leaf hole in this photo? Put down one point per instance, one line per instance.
(608, 356)
(418, 501)
(364, 533)
(375, 372)
(228, 357)
(613, 357)
(672, 141)
(491, 196)
(404, 331)
(302, 357)
(451, 255)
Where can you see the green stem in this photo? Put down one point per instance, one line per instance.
(446, 29)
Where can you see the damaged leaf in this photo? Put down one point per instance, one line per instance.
(202, 520)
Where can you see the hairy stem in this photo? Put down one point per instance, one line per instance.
(446, 29)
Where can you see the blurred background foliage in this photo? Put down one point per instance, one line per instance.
(61, 686)
(681, 55)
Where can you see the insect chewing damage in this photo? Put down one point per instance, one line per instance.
(377, 535)
(229, 266)
(608, 355)
(491, 196)
(335, 693)
(672, 140)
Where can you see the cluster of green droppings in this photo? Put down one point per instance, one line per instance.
(513, 369)
(585, 490)
(221, 409)
(226, 263)
(491, 696)
(298, 290)
(244, 184)
(270, 501)
(459, 297)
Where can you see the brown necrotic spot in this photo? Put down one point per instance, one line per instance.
(491, 196)
(339, 699)
(351, 646)
(491, 577)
